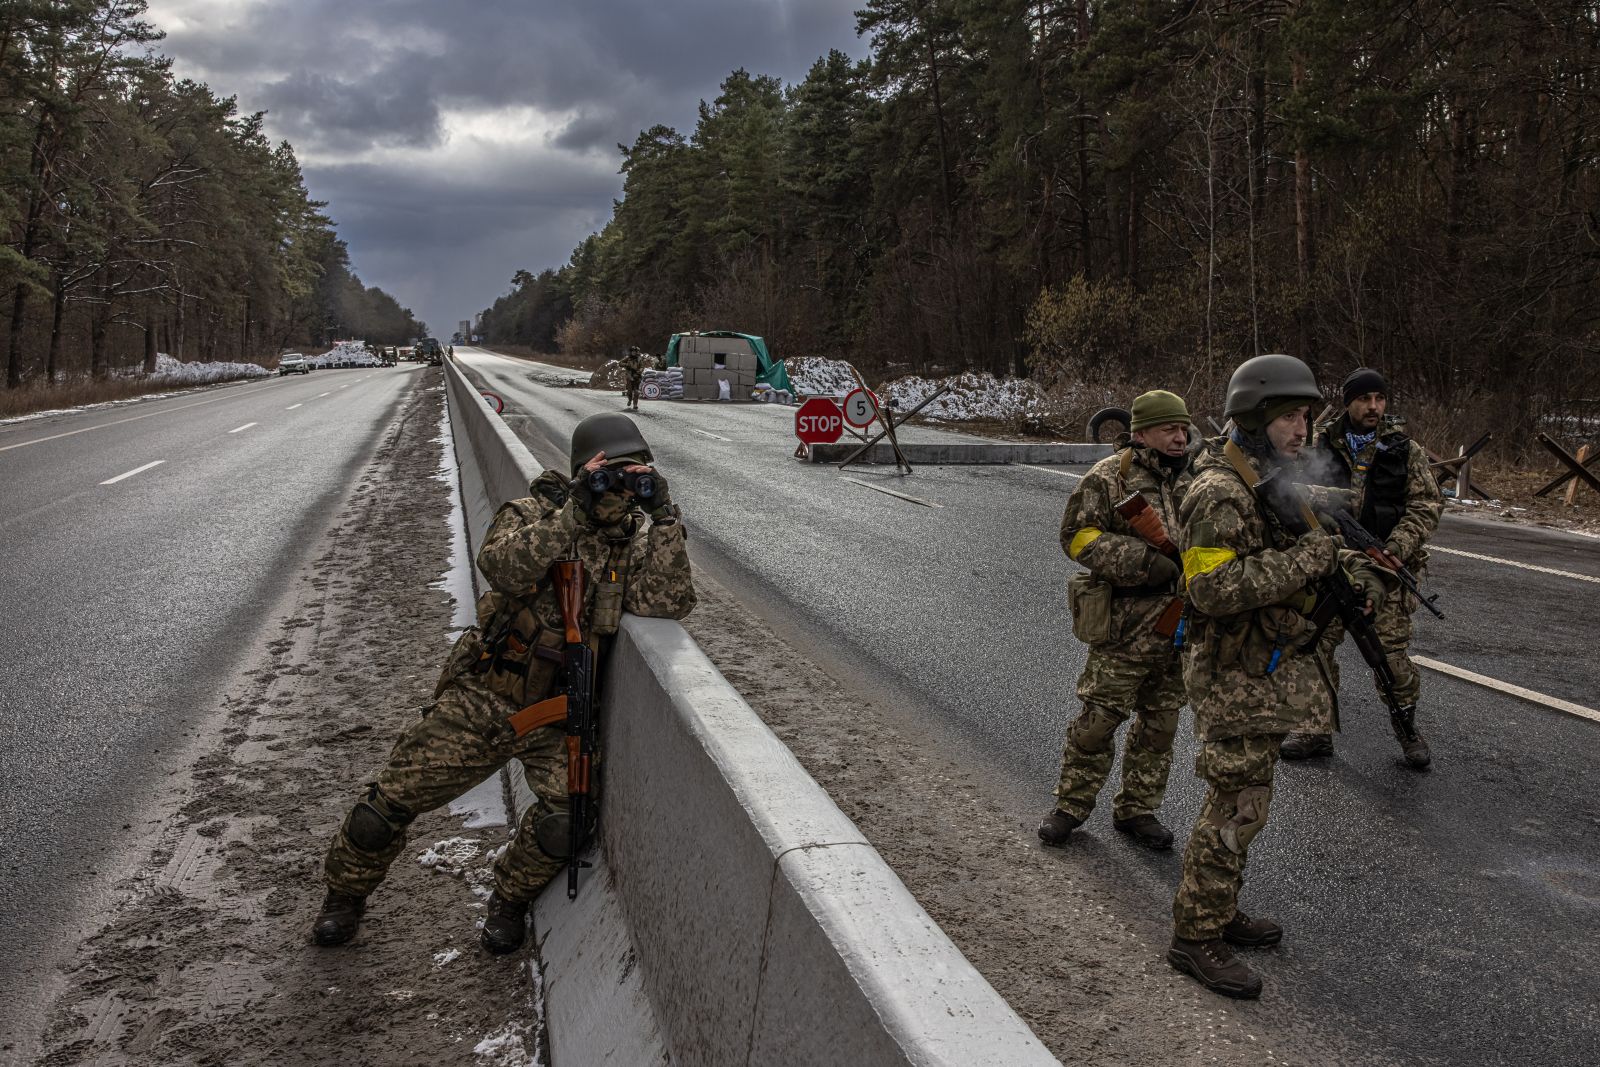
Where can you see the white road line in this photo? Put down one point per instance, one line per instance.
(1049, 470)
(1506, 687)
(117, 422)
(708, 433)
(130, 474)
(1514, 563)
(246, 426)
(893, 492)
(291, 407)
(319, 396)
(346, 385)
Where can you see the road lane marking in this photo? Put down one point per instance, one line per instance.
(246, 426)
(319, 396)
(118, 422)
(346, 385)
(1514, 563)
(1506, 687)
(291, 407)
(1049, 470)
(893, 492)
(707, 433)
(130, 474)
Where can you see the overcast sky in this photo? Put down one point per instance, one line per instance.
(457, 142)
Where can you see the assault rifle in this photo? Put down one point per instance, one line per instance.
(1357, 537)
(1146, 522)
(1337, 597)
(575, 706)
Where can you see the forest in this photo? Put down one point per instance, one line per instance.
(143, 213)
(1121, 194)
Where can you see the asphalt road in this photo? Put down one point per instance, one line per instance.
(130, 598)
(1445, 917)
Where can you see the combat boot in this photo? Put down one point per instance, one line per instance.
(1213, 964)
(1411, 739)
(1306, 746)
(1251, 933)
(339, 919)
(1145, 830)
(505, 926)
(1057, 827)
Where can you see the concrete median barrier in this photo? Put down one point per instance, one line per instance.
(735, 915)
(953, 453)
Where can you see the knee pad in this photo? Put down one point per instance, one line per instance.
(1095, 730)
(375, 822)
(1154, 730)
(1249, 816)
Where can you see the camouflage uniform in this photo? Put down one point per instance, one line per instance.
(1134, 669)
(463, 736)
(1248, 585)
(633, 366)
(1411, 516)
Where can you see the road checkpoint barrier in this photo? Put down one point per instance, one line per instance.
(734, 914)
(949, 453)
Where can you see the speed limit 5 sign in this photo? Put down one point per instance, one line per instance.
(860, 408)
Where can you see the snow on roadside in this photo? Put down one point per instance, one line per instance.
(819, 376)
(177, 371)
(457, 580)
(510, 1045)
(972, 395)
(484, 805)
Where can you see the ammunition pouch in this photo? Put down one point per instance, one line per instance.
(1256, 641)
(607, 617)
(1089, 600)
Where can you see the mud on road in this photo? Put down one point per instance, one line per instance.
(208, 958)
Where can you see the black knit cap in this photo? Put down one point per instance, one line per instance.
(1363, 380)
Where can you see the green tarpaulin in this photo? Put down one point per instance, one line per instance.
(771, 373)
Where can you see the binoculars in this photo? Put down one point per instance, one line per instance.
(641, 484)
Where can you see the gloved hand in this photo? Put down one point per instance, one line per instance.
(1370, 585)
(1316, 554)
(659, 503)
(551, 486)
(1163, 570)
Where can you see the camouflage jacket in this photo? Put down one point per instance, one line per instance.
(1095, 536)
(1395, 494)
(1248, 583)
(632, 366)
(650, 562)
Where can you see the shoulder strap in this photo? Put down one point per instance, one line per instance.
(1241, 465)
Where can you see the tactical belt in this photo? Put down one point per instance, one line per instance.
(1128, 592)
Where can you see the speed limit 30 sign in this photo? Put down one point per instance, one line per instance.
(860, 408)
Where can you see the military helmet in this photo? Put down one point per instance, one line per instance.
(610, 432)
(1264, 378)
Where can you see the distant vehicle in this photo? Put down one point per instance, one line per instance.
(430, 351)
(293, 363)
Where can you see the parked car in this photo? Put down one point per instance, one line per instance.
(293, 363)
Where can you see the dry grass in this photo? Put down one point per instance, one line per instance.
(79, 392)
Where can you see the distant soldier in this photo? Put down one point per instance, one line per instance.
(633, 367)
(1396, 498)
(1249, 676)
(511, 660)
(1126, 608)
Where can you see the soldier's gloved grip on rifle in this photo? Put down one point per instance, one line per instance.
(1371, 585)
(1161, 569)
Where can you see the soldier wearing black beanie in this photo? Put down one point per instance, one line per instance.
(1363, 380)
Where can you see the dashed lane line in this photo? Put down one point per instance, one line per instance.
(130, 474)
(708, 433)
(291, 407)
(1514, 563)
(1506, 687)
(892, 492)
(117, 422)
(246, 426)
(319, 396)
(1049, 470)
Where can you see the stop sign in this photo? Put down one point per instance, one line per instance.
(818, 422)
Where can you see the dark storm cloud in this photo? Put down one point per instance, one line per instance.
(355, 81)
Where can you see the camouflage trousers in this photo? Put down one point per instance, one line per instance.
(1110, 689)
(1392, 619)
(1238, 777)
(461, 739)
